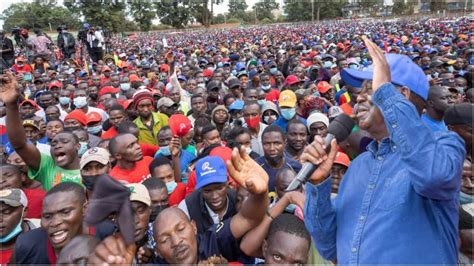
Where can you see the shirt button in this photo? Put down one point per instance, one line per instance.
(394, 126)
(362, 218)
(371, 187)
(354, 249)
(394, 147)
(380, 158)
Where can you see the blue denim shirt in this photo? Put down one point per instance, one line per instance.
(398, 202)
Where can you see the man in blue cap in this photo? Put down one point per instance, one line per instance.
(212, 201)
(399, 200)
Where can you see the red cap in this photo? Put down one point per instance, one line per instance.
(106, 68)
(164, 68)
(108, 90)
(291, 79)
(343, 159)
(223, 152)
(134, 77)
(93, 117)
(180, 125)
(55, 83)
(273, 96)
(207, 73)
(324, 86)
(77, 115)
(127, 103)
(340, 46)
(33, 103)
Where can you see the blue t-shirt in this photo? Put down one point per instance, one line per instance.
(434, 125)
(289, 163)
(185, 158)
(283, 123)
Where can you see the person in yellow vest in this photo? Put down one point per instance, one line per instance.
(148, 121)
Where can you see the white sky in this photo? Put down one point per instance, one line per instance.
(218, 9)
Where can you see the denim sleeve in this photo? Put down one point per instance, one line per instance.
(434, 160)
(320, 218)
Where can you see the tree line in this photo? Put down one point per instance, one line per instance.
(133, 15)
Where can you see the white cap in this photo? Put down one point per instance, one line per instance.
(317, 117)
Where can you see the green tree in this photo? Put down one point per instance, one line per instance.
(263, 9)
(176, 13)
(300, 10)
(237, 8)
(143, 13)
(109, 14)
(38, 15)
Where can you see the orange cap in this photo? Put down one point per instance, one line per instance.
(343, 159)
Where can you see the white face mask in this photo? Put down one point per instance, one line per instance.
(248, 150)
(80, 101)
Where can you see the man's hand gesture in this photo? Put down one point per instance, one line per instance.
(9, 89)
(247, 172)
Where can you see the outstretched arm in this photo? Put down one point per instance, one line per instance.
(16, 134)
(248, 174)
(251, 243)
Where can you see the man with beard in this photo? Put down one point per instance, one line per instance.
(61, 221)
(63, 163)
(176, 236)
(149, 123)
(28, 109)
(297, 137)
(131, 166)
(413, 185)
(439, 99)
(274, 158)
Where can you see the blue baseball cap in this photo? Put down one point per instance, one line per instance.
(236, 105)
(403, 70)
(210, 170)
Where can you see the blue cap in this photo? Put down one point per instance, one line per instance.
(236, 105)
(182, 77)
(403, 70)
(253, 73)
(240, 66)
(210, 170)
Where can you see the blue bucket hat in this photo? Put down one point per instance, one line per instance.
(403, 70)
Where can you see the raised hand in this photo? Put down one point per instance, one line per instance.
(247, 172)
(175, 146)
(113, 251)
(381, 67)
(9, 88)
(169, 58)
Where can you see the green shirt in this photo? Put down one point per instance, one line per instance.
(49, 174)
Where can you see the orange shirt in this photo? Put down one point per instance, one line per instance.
(135, 175)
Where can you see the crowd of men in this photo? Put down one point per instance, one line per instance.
(179, 148)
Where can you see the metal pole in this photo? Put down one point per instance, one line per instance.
(312, 11)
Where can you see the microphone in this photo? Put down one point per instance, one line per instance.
(340, 128)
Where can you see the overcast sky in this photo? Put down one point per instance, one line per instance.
(218, 9)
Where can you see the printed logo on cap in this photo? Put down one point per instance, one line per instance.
(207, 169)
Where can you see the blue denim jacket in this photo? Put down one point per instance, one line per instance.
(398, 202)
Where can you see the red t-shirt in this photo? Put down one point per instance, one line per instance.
(35, 198)
(191, 185)
(148, 149)
(110, 133)
(5, 256)
(135, 175)
(178, 194)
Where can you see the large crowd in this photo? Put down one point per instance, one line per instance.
(179, 147)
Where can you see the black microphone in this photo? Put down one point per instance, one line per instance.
(340, 128)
